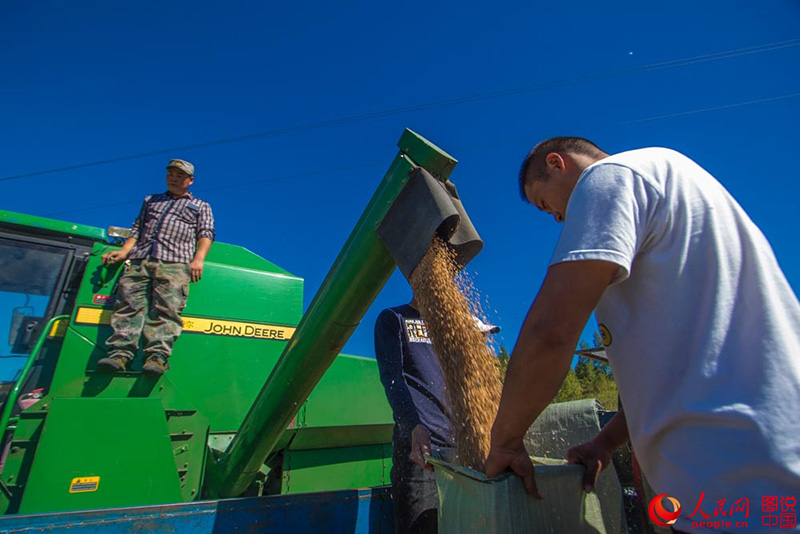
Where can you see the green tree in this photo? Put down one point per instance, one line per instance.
(502, 362)
(607, 393)
(594, 379)
(589, 379)
(570, 389)
(597, 381)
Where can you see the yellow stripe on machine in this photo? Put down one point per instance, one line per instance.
(237, 329)
(201, 325)
(59, 328)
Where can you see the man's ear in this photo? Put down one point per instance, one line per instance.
(555, 161)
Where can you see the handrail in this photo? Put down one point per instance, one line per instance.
(14, 394)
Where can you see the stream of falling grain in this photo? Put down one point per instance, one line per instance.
(471, 376)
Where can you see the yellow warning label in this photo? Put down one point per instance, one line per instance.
(93, 316)
(84, 484)
(202, 325)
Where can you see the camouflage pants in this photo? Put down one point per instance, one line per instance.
(150, 298)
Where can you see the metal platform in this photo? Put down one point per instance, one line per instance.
(358, 511)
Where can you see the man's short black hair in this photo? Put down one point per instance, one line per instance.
(535, 165)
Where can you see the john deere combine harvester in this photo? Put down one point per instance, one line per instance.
(258, 400)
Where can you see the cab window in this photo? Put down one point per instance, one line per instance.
(29, 277)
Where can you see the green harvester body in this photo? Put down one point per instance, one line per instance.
(258, 399)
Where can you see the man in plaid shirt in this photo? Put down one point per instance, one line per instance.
(166, 250)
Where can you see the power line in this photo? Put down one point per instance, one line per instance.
(229, 186)
(716, 56)
(462, 149)
(704, 110)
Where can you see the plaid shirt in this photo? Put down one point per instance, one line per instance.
(168, 228)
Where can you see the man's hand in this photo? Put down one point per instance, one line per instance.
(420, 446)
(595, 455)
(197, 269)
(114, 256)
(516, 457)
(119, 255)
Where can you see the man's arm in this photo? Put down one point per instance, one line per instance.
(205, 236)
(198, 262)
(596, 454)
(541, 358)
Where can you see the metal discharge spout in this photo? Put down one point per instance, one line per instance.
(357, 276)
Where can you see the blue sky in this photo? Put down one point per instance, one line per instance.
(89, 81)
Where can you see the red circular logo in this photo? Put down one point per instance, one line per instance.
(659, 514)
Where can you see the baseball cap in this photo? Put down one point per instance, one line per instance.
(183, 165)
(486, 328)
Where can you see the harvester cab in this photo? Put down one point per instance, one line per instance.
(41, 263)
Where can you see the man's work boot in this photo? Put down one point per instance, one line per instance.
(113, 364)
(155, 365)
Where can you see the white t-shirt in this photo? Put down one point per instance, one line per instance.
(702, 331)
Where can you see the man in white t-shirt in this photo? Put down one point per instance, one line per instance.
(701, 328)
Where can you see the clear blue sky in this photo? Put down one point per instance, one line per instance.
(87, 81)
